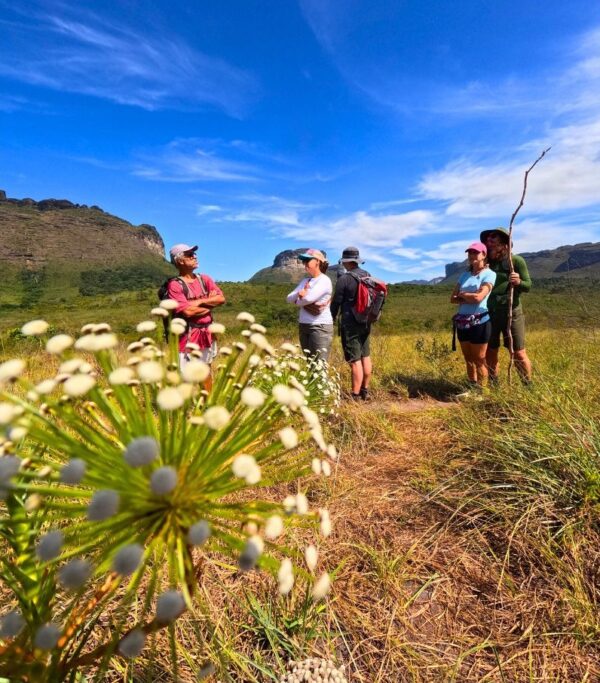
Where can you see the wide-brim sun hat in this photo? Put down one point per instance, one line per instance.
(351, 255)
(501, 231)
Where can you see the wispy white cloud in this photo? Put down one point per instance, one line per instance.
(73, 50)
(191, 161)
(205, 209)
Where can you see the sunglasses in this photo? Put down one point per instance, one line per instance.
(190, 254)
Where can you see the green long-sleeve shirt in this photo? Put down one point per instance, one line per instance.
(499, 297)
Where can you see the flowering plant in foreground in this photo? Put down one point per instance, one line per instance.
(318, 381)
(117, 476)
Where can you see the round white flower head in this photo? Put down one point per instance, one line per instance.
(216, 417)
(11, 624)
(32, 502)
(316, 466)
(169, 399)
(105, 340)
(173, 377)
(135, 346)
(332, 452)
(101, 327)
(326, 468)
(70, 366)
(311, 557)
(301, 504)
(285, 576)
(8, 412)
(225, 351)
(252, 397)
(34, 328)
(169, 304)
(251, 553)
(246, 333)
(11, 370)
(141, 451)
(87, 343)
(150, 371)
(195, 371)
(286, 346)
(146, 326)
(104, 504)
(87, 328)
(163, 480)
(296, 399)
(253, 476)
(177, 326)
(121, 376)
(159, 312)
(169, 606)
(46, 386)
(245, 317)
(321, 587)
(260, 341)
(49, 545)
(289, 504)
(216, 328)
(240, 346)
(325, 522)
(74, 574)
(242, 464)
(288, 437)
(186, 391)
(199, 533)
(86, 368)
(127, 559)
(79, 385)
(273, 527)
(255, 327)
(253, 361)
(132, 644)
(282, 394)
(73, 472)
(17, 433)
(47, 636)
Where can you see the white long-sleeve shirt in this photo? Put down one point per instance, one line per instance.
(319, 291)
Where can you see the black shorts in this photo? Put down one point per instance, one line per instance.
(355, 340)
(478, 334)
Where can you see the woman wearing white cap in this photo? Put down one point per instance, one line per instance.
(472, 322)
(312, 296)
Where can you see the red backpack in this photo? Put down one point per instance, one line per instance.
(370, 297)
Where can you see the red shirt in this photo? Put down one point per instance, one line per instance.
(200, 336)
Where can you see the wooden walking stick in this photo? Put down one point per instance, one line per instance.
(511, 289)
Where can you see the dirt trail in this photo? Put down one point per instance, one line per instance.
(419, 600)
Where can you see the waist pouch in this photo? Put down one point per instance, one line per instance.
(463, 321)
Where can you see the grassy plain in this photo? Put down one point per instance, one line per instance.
(467, 535)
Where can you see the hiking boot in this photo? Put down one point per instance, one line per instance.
(355, 397)
(364, 394)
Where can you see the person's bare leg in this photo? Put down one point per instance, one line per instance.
(491, 359)
(367, 368)
(523, 365)
(469, 361)
(356, 368)
(480, 363)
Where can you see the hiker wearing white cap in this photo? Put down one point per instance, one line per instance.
(196, 295)
(312, 296)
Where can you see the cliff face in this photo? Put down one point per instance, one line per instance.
(34, 233)
(287, 268)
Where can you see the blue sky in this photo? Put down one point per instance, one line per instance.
(252, 126)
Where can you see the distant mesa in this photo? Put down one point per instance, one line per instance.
(286, 268)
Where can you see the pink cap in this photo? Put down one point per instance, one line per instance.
(477, 246)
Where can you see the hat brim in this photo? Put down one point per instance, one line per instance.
(308, 257)
(351, 260)
(486, 233)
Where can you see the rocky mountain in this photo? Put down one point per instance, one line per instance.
(286, 268)
(71, 249)
(574, 261)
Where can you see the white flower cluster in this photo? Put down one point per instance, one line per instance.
(314, 670)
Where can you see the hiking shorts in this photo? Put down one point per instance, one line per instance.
(316, 339)
(478, 334)
(206, 355)
(355, 341)
(499, 320)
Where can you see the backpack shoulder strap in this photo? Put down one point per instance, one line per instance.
(202, 282)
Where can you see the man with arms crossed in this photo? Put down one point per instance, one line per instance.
(196, 307)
